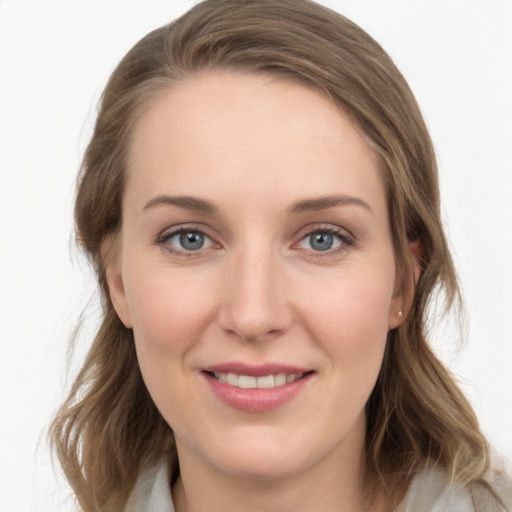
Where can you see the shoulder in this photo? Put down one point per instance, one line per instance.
(497, 487)
(431, 491)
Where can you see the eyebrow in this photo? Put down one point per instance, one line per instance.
(302, 206)
(185, 202)
(323, 203)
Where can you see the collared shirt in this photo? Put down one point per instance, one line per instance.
(430, 491)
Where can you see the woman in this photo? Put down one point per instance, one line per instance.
(260, 202)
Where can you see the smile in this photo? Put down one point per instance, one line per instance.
(256, 389)
(262, 382)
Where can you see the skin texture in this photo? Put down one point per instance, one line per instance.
(257, 291)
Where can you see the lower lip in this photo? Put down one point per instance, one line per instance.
(256, 400)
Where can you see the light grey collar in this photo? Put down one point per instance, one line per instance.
(152, 491)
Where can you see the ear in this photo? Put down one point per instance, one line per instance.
(111, 256)
(404, 294)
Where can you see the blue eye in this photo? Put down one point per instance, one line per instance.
(323, 240)
(191, 240)
(187, 240)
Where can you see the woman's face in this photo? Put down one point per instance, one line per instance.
(256, 269)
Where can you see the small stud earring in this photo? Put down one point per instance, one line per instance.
(400, 314)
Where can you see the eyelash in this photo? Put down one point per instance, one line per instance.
(346, 241)
(165, 237)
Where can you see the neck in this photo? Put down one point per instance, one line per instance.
(283, 495)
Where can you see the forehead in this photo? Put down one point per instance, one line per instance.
(250, 130)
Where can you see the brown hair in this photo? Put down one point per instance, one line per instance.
(108, 429)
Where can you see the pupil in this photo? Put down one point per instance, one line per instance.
(192, 241)
(321, 241)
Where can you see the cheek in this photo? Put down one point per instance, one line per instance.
(169, 315)
(350, 321)
(349, 324)
(168, 310)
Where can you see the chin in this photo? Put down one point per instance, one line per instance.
(262, 465)
(262, 455)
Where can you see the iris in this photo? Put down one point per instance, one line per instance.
(321, 241)
(191, 240)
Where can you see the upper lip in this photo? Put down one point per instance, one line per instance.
(255, 370)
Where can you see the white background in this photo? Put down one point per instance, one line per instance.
(55, 58)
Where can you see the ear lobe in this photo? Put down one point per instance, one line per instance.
(402, 302)
(111, 256)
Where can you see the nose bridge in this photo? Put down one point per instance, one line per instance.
(255, 303)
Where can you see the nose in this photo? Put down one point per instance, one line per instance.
(255, 305)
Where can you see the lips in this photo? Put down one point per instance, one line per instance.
(256, 388)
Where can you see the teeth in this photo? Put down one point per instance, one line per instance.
(232, 379)
(280, 379)
(263, 382)
(246, 382)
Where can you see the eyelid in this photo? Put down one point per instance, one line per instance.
(347, 239)
(168, 233)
